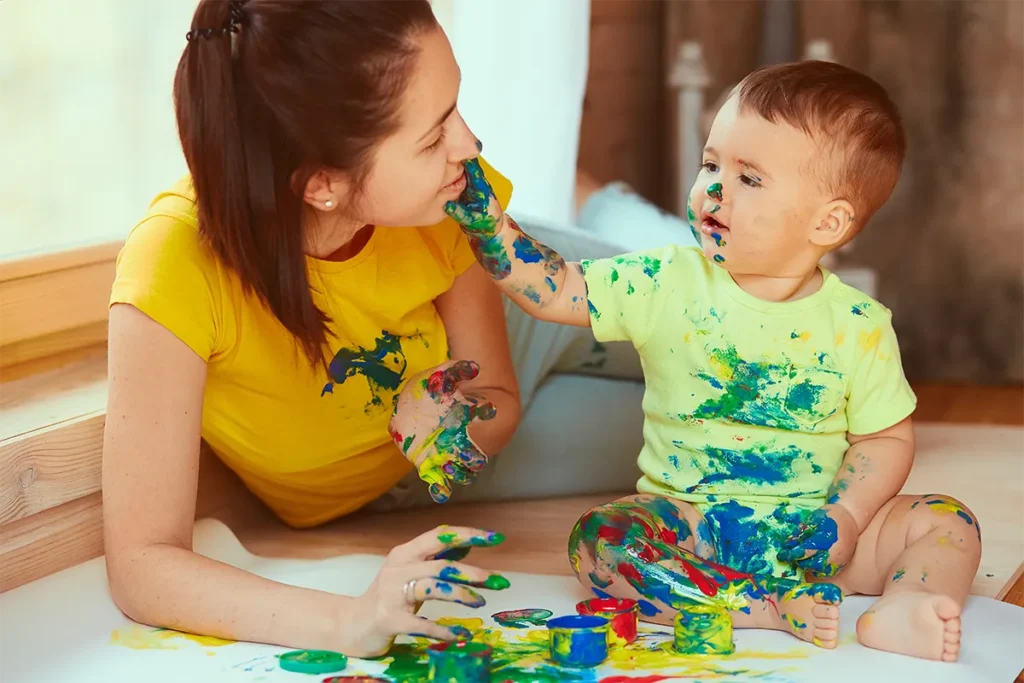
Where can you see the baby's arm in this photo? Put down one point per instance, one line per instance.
(535, 277)
(874, 470)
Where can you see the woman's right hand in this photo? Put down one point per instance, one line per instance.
(411, 575)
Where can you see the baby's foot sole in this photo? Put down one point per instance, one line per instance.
(917, 624)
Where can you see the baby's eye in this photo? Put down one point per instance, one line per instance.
(710, 167)
(748, 181)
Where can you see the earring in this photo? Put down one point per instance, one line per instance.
(328, 204)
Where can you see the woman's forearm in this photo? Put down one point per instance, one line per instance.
(171, 587)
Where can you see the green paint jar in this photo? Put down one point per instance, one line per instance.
(459, 662)
(703, 630)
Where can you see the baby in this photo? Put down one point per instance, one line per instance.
(777, 416)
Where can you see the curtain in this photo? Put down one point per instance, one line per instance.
(524, 70)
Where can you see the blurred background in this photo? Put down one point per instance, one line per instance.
(571, 96)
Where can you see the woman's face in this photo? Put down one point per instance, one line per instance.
(419, 168)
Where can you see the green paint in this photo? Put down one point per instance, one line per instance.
(496, 582)
(408, 442)
(715, 191)
(703, 630)
(629, 288)
(898, 575)
(718, 258)
(614, 277)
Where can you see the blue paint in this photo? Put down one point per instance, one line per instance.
(531, 294)
(593, 310)
(818, 533)
(383, 366)
(757, 466)
(526, 251)
(748, 542)
(579, 641)
(647, 609)
(600, 593)
(550, 283)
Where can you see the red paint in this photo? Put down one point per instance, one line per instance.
(640, 679)
(622, 614)
(669, 536)
(611, 534)
(435, 383)
(631, 572)
(702, 582)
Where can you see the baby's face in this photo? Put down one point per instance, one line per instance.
(755, 203)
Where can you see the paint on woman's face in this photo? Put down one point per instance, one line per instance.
(383, 367)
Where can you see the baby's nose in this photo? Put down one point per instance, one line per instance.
(715, 191)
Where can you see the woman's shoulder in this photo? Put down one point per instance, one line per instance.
(169, 231)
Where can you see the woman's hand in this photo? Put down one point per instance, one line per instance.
(431, 422)
(410, 576)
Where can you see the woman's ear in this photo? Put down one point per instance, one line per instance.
(324, 191)
(833, 224)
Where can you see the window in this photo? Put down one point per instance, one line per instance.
(87, 124)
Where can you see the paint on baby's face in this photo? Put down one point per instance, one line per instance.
(754, 183)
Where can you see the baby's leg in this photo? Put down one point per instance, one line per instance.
(921, 553)
(659, 552)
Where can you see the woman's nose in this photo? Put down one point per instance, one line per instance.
(464, 144)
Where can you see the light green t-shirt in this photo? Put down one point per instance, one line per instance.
(746, 399)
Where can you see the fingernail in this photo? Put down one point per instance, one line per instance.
(496, 582)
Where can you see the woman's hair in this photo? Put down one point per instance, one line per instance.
(266, 93)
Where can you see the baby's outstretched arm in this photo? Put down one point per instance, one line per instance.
(873, 471)
(534, 276)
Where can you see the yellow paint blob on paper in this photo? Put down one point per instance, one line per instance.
(803, 336)
(145, 638)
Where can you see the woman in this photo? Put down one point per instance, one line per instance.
(264, 306)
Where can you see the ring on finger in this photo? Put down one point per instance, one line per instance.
(410, 592)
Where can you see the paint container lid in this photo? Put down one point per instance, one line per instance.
(460, 648)
(313, 661)
(574, 621)
(607, 606)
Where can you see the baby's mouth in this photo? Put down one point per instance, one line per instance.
(714, 228)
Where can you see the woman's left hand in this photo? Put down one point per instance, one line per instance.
(431, 422)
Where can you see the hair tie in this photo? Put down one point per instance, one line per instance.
(235, 19)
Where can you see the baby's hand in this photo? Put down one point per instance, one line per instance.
(824, 543)
(477, 209)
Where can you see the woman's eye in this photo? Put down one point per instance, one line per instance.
(435, 144)
(710, 167)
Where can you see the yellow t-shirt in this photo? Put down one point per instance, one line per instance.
(311, 446)
(747, 399)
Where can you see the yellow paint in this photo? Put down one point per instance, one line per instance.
(818, 642)
(870, 341)
(867, 618)
(145, 638)
(803, 336)
(840, 338)
(686, 338)
(945, 540)
(703, 630)
(945, 507)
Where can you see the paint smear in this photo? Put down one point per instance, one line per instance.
(146, 638)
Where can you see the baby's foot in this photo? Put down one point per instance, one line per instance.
(810, 611)
(915, 623)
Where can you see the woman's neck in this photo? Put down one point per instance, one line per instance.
(332, 237)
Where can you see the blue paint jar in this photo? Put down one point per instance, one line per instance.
(579, 641)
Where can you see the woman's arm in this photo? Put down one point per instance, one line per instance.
(150, 476)
(474, 320)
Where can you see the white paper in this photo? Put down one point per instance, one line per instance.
(59, 629)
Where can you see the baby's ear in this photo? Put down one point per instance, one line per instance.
(834, 223)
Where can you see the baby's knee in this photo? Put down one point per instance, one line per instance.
(937, 511)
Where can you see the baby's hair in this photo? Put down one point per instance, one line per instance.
(850, 116)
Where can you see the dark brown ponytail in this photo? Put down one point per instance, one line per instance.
(301, 85)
